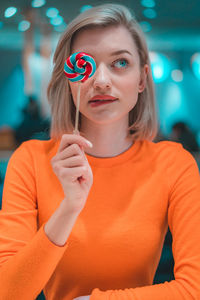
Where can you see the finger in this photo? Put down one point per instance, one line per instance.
(68, 139)
(74, 161)
(72, 150)
(73, 173)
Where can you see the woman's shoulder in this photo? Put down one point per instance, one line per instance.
(38, 146)
(166, 146)
(171, 152)
(36, 149)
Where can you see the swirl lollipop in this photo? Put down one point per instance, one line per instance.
(79, 67)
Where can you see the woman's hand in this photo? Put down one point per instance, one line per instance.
(82, 298)
(73, 171)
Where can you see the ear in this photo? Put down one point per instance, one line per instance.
(143, 78)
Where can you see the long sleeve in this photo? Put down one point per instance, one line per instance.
(27, 257)
(184, 223)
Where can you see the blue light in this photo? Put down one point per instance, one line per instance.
(52, 12)
(60, 28)
(146, 26)
(177, 75)
(174, 104)
(160, 67)
(24, 25)
(150, 13)
(85, 7)
(158, 72)
(38, 3)
(57, 21)
(195, 60)
(148, 3)
(10, 11)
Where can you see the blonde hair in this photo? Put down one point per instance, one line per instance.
(143, 117)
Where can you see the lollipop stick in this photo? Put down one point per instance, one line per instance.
(76, 131)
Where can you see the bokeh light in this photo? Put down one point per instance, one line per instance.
(10, 11)
(148, 3)
(85, 7)
(150, 13)
(38, 3)
(52, 12)
(146, 26)
(177, 75)
(195, 61)
(56, 21)
(60, 28)
(24, 25)
(160, 66)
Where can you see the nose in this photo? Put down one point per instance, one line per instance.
(102, 80)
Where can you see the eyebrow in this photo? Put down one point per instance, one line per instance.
(121, 52)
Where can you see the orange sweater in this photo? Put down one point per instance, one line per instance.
(114, 248)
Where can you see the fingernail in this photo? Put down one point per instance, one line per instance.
(89, 144)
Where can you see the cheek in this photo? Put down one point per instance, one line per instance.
(130, 86)
(74, 90)
(130, 89)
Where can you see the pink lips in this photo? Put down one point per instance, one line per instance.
(103, 97)
(98, 100)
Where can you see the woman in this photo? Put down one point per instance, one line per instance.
(84, 222)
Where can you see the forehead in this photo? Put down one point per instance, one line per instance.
(104, 39)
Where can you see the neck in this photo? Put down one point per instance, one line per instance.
(108, 140)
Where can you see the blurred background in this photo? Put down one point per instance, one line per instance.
(29, 31)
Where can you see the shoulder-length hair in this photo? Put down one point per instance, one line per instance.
(143, 117)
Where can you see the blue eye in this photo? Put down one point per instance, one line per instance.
(121, 63)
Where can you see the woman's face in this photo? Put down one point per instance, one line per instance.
(118, 74)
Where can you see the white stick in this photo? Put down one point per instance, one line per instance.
(76, 131)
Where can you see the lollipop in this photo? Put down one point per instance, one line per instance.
(79, 67)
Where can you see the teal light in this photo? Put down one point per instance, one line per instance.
(24, 25)
(146, 26)
(38, 3)
(174, 104)
(1, 24)
(195, 60)
(148, 3)
(60, 28)
(52, 12)
(56, 21)
(174, 98)
(150, 13)
(160, 67)
(85, 7)
(177, 75)
(10, 11)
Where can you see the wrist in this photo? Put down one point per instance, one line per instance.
(66, 211)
